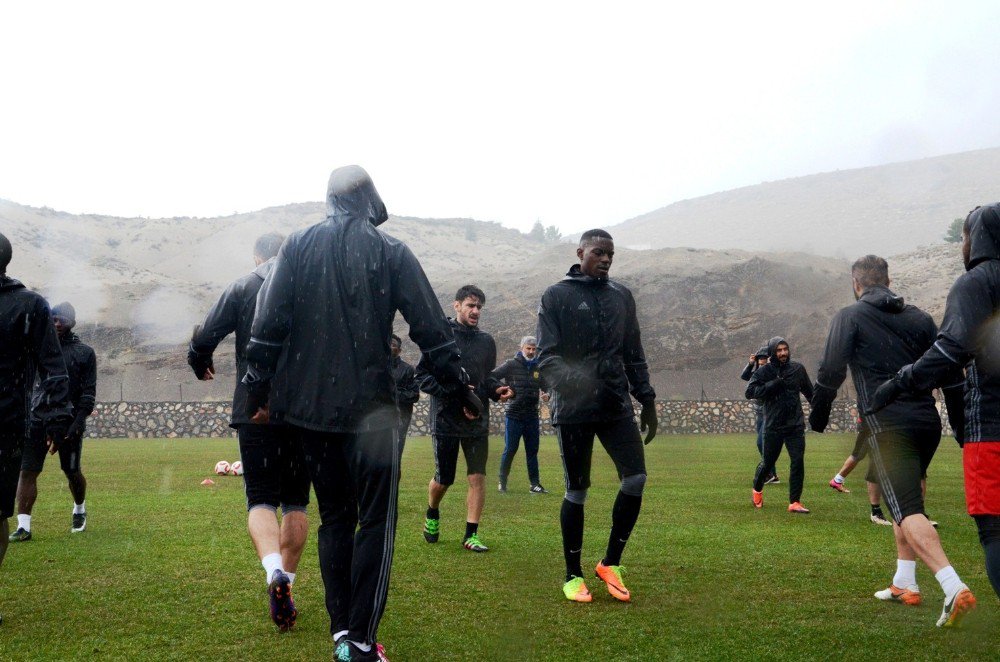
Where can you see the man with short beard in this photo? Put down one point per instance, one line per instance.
(777, 385)
(521, 416)
(876, 337)
(28, 345)
(591, 358)
(81, 365)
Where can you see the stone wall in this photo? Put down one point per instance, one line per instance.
(211, 419)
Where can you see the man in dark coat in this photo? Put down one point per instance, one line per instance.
(969, 340)
(274, 471)
(81, 366)
(591, 357)
(876, 337)
(521, 414)
(756, 360)
(321, 334)
(407, 387)
(452, 429)
(777, 386)
(28, 345)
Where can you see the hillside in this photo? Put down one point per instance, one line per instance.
(886, 210)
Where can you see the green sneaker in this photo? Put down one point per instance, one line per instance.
(576, 591)
(20, 535)
(474, 544)
(432, 529)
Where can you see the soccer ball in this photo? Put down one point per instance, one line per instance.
(236, 468)
(222, 467)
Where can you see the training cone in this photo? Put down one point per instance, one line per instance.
(208, 481)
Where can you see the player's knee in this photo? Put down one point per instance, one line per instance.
(634, 484)
(578, 497)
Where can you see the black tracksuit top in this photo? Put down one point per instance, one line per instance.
(407, 388)
(876, 337)
(324, 317)
(29, 345)
(479, 358)
(590, 350)
(81, 366)
(526, 383)
(777, 386)
(233, 313)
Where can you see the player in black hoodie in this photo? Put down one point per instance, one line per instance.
(777, 386)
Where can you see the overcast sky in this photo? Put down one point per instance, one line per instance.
(508, 112)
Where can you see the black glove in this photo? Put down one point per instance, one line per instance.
(471, 401)
(200, 363)
(255, 400)
(647, 420)
(818, 418)
(76, 428)
(884, 395)
(55, 433)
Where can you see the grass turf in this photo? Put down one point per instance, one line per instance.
(166, 570)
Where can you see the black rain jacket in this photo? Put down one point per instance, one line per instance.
(778, 386)
(232, 313)
(29, 345)
(479, 358)
(875, 337)
(81, 366)
(407, 387)
(970, 333)
(324, 317)
(590, 350)
(526, 381)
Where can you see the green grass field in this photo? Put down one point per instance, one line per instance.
(166, 570)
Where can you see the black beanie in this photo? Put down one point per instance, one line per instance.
(66, 311)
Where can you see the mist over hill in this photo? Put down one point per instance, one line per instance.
(140, 285)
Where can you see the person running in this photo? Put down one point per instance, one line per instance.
(859, 453)
(521, 414)
(452, 428)
(274, 472)
(968, 340)
(875, 337)
(757, 360)
(777, 385)
(407, 388)
(591, 357)
(28, 345)
(81, 366)
(320, 335)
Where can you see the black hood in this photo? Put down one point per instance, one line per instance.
(576, 275)
(458, 327)
(772, 348)
(69, 339)
(351, 195)
(884, 299)
(10, 284)
(984, 234)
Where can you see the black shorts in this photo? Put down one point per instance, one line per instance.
(475, 449)
(36, 449)
(11, 446)
(620, 439)
(900, 459)
(274, 468)
(860, 445)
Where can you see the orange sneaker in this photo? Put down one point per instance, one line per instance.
(758, 499)
(576, 591)
(955, 609)
(797, 507)
(907, 596)
(611, 575)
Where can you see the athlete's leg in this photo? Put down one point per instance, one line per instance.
(476, 498)
(512, 439)
(772, 450)
(989, 537)
(532, 432)
(445, 462)
(294, 500)
(796, 445)
(27, 492)
(576, 445)
(623, 443)
(848, 467)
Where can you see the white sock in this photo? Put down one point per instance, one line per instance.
(24, 522)
(365, 648)
(839, 480)
(291, 577)
(906, 574)
(271, 562)
(950, 583)
(338, 635)
(80, 508)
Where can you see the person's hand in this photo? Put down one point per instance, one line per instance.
(472, 406)
(818, 419)
(545, 396)
(202, 365)
(647, 420)
(54, 435)
(753, 358)
(257, 407)
(263, 415)
(505, 393)
(884, 396)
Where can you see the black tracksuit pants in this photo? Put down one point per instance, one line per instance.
(795, 442)
(356, 478)
(989, 536)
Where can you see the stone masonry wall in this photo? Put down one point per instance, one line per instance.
(211, 419)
